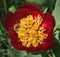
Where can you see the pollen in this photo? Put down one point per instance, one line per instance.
(30, 31)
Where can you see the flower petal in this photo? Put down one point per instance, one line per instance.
(12, 34)
(19, 14)
(31, 7)
(24, 11)
(19, 46)
(36, 10)
(49, 42)
(8, 19)
(48, 22)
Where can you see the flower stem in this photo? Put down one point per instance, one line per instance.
(5, 6)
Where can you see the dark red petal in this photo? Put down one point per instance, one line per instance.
(12, 34)
(49, 42)
(17, 45)
(24, 11)
(48, 22)
(31, 7)
(8, 19)
(20, 13)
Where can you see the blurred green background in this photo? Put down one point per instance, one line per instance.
(6, 50)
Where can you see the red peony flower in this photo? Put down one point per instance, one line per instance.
(30, 29)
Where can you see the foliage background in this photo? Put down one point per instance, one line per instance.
(6, 50)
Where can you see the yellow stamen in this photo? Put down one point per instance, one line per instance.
(30, 31)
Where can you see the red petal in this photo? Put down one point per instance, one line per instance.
(36, 10)
(48, 22)
(8, 19)
(24, 11)
(20, 13)
(31, 7)
(49, 42)
(12, 34)
(19, 46)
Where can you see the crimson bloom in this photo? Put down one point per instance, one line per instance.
(30, 29)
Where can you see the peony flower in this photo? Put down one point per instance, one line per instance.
(30, 29)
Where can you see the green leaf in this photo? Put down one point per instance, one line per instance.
(58, 26)
(5, 6)
(56, 12)
(56, 49)
(31, 55)
(15, 53)
(45, 10)
(12, 9)
(38, 2)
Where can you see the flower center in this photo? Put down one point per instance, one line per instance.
(30, 31)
